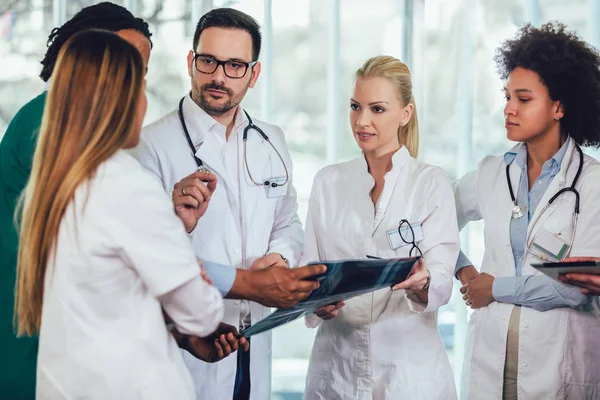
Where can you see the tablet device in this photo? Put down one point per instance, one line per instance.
(553, 269)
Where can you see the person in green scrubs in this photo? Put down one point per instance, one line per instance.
(18, 355)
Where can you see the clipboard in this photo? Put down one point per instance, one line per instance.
(343, 280)
(554, 269)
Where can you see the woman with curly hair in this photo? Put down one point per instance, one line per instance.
(531, 337)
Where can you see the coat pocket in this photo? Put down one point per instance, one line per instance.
(317, 387)
(581, 368)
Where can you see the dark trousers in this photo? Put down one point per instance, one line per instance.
(242, 377)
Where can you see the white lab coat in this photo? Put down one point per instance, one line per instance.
(382, 345)
(118, 250)
(559, 349)
(231, 232)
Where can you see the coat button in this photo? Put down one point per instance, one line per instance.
(236, 250)
(236, 302)
(526, 325)
(524, 364)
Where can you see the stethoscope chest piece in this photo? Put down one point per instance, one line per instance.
(517, 211)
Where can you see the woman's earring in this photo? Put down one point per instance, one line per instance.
(557, 118)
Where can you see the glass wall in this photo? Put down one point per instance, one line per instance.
(310, 52)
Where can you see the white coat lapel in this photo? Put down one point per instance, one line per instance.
(210, 156)
(258, 157)
(392, 179)
(199, 124)
(514, 171)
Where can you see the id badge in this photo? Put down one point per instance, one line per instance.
(396, 241)
(277, 191)
(550, 244)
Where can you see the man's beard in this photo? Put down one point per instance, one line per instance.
(212, 109)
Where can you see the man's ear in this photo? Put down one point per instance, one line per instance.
(190, 60)
(256, 68)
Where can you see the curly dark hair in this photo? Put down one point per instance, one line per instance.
(567, 66)
(105, 15)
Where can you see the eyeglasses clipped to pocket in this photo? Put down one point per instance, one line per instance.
(406, 234)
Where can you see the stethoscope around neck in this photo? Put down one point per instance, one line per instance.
(518, 211)
(202, 167)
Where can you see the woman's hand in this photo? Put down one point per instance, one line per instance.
(330, 311)
(417, 281)
(589, 283)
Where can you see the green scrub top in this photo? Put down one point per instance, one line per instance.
(18, 356)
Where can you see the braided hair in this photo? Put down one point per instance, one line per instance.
(103, 15)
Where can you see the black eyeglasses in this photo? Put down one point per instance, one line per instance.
(234, 69)
(408, 237)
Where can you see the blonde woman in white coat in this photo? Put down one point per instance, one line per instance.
(383, 345)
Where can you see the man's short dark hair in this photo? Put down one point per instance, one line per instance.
(231, 19)
(105, 15)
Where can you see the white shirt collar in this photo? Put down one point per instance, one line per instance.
(199, 122)
(398, 160)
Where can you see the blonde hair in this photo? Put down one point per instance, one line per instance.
(90, 113)
(396, 71)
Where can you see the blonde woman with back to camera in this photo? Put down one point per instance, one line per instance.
(385, 344)
(102, 253)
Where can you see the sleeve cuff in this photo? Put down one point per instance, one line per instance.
(439, 294)
(414, 304)
(504, 289)
(287, 252)
(312, 321)
(462, 262)
(222, 276)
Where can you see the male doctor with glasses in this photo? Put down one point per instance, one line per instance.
(247, 203)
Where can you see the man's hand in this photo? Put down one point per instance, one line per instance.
(477, 292)
(220, 344)
(467, 274)
(330, 311)
(191, 197)
(276, 286)
(268, 261)
(589, 283)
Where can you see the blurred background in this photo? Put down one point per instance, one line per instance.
(310, 52)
